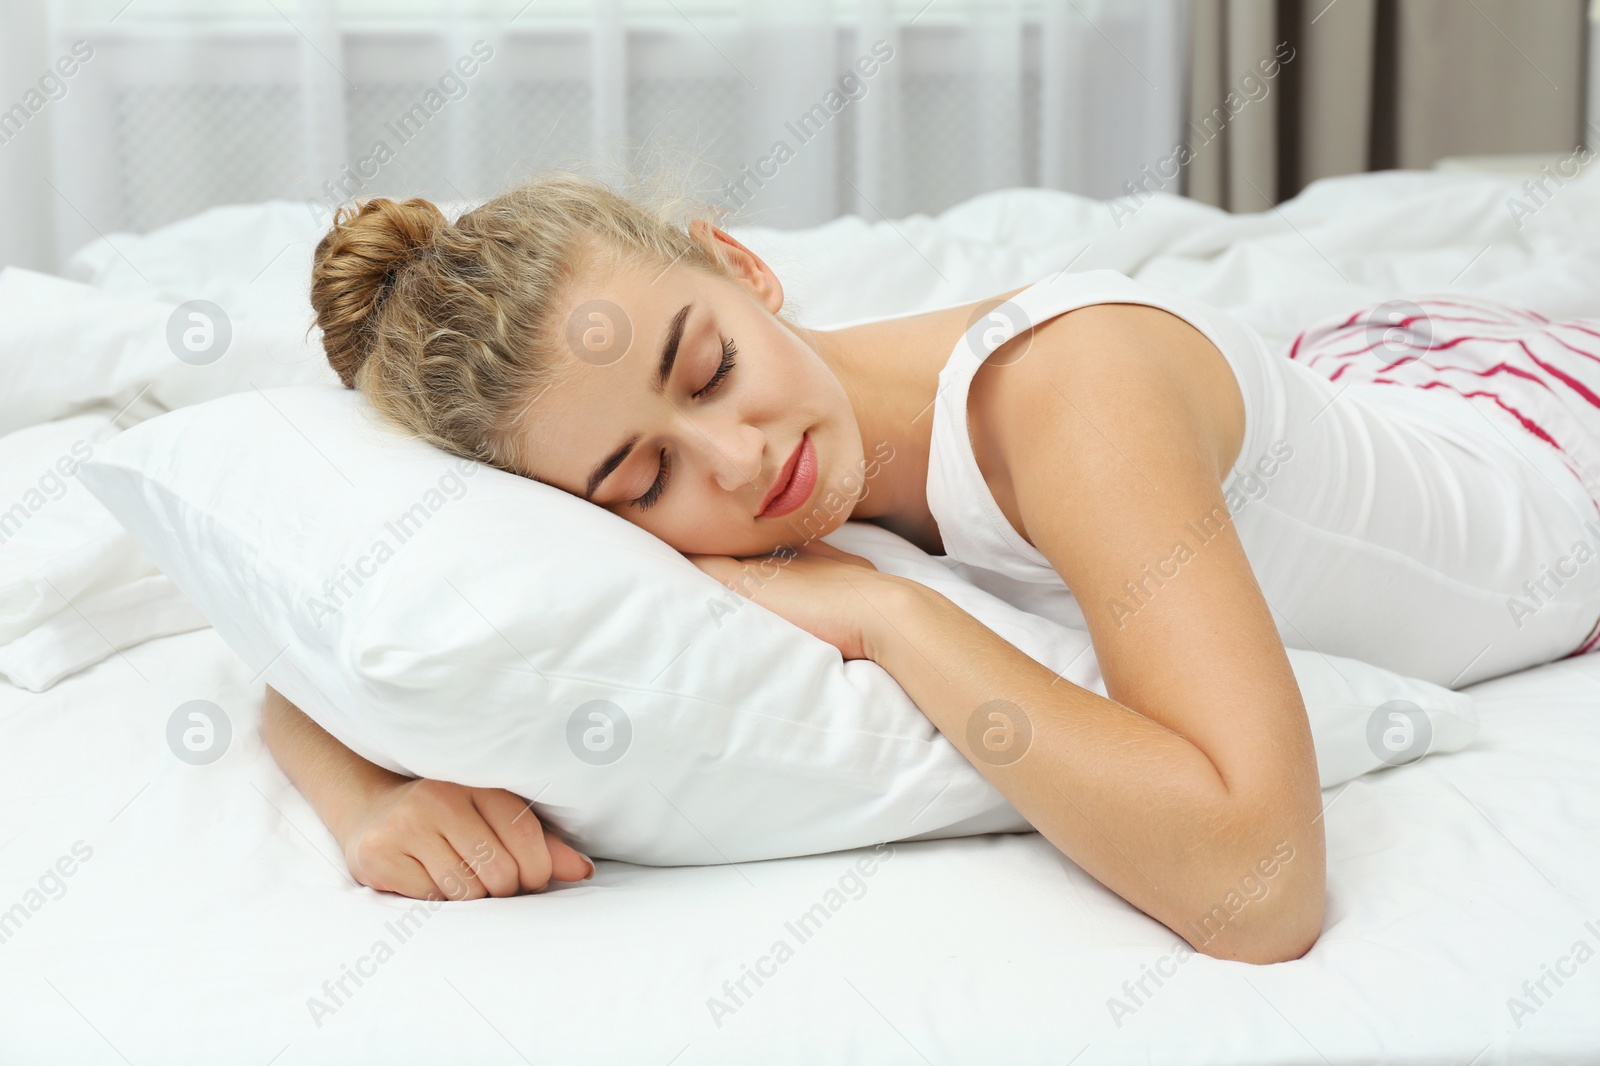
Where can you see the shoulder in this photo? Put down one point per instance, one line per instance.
(1128, 363)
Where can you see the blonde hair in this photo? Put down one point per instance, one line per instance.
(447, 328)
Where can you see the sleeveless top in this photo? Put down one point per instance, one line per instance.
(1393, 525)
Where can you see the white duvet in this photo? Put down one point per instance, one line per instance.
(157, 911)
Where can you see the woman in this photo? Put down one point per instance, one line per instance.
(1202, 499)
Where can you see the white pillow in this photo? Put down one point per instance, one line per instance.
(97, 627)
(66, 347)
(74, 587)
(447, 619)
(56, 539)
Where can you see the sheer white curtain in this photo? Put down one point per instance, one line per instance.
(124, 115)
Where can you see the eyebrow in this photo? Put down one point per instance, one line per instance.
(669, 355)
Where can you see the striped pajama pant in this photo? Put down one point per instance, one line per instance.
(1536, 385)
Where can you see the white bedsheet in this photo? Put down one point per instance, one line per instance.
(213, 906)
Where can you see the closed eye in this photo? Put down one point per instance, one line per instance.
(657, 487)
(729, 350)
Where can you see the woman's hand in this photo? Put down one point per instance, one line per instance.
(432, 839)
(825, 591)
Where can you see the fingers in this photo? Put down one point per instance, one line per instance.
(521, 837)
(449, 842)
(416, 876)
(539, 854)
(823, 548)
(568, 862)
(721, 567)
(453, 878)
(484, 856)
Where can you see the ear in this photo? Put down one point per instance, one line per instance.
(747, 267)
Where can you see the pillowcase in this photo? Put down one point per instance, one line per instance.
(447, 619)
(74, 587)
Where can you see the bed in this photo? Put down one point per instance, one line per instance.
(208, 917)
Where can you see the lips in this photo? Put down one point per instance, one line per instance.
(794, 482)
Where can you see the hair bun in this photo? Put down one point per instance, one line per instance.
(355, 265)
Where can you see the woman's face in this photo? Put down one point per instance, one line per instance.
(688, 407)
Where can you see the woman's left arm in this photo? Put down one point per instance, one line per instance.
(1137, 805)
(1192, 792)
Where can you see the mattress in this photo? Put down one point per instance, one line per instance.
(157, 911)
(209, 918)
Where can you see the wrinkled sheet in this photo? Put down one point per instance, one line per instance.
(213, 918)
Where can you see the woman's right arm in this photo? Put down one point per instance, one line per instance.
(417, 837)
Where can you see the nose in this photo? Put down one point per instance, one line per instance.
(734, 452)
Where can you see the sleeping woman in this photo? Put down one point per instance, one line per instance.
(1414, 485)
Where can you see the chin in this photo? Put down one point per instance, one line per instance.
(753, 542)
(810, 524)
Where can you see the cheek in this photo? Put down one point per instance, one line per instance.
(695, 523)
(790, 369)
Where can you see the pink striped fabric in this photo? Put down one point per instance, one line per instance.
(1530, 373)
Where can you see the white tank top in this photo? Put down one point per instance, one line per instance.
(1383, 523)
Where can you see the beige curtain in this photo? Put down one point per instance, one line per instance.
(1283, 92)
